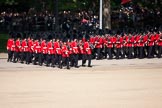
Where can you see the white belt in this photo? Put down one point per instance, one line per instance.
(37, 46)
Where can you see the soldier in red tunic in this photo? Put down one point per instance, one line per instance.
(136, 48)
(30, 50)
(37, 51)
(145, 40)
(24, 48)
(50, 50)
(43, 51)
(10, 48)
(98, 46)
(141, 44)
(88, 52)
(155, 47)
(75, 52)
(92, 44)
(109, 46)
(17, 50)
(57, 48)
(119, 45)
(54, 54)
(81, 51)
(150, 46)
(130, 43)
(69, 46)
(65, 55)
(159, 43)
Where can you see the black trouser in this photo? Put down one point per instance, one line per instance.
(86, 57)
(53, 60)
(150, 52)
(10, 55)
(109, 50)
(83, 59)
(65, 60)
(36, 58)
(49, 59)
(89, 59)
(136, 52)
(159, 51)
(155, 50)
(98, 53)
(130, 49)
(118, 52)
(28, 58)
(58, 59)
(42, 58)
(106, 52)
(71, 60)
(23, 56)
(16, 56)
(124, 52)
(75, 60)
(141, 52)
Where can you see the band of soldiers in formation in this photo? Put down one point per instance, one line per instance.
(53, 52)
(56, 52)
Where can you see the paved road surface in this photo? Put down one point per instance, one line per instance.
(108, 84)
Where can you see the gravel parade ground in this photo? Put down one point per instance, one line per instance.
(125, 83)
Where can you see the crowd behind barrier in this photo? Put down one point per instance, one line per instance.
(131, 16)
(45, 21)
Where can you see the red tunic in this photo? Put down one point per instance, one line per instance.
(136, 40)
(50, 48)
(114, 39)
(151, 40)
(65, 51)
(119, 42)
(126, 39)
(74, 47)
(87, 48)
(37, 47)
(145, 39)
(81, 50)
(99, 43)
(57, 48)
(70, 47)
(10, 45)
(92, 40)
(159, 41)
(44, 47)
(24, 46)
(130, 41)
(156, 38)
(109, 43)
(30, 46)
(17, 46)
(141, 42)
